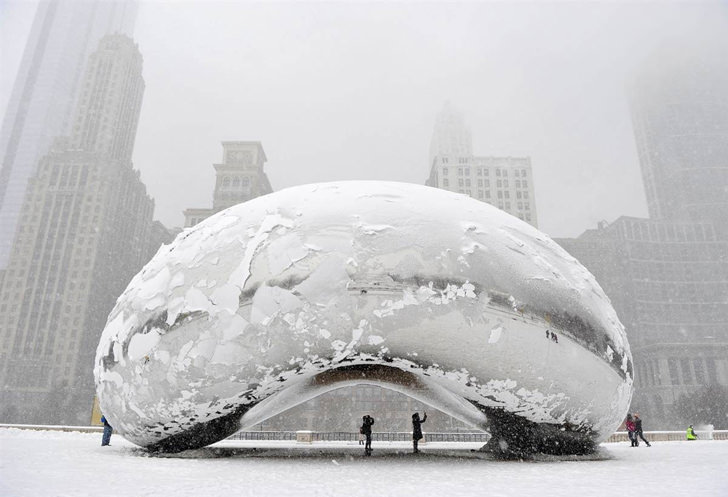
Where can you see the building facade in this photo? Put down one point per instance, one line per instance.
(239, 178)
(85, 230)
(63, 34)
(668, 283)
(505, 182)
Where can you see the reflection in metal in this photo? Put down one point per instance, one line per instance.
(436, 295)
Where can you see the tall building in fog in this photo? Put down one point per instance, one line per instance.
(679, 103)
(667, 276)
(63, 34)
(450, 135)
(85, 229)
(239, 178)
(505, 182)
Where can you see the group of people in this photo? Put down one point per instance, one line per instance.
(634, 430)
(366, 431)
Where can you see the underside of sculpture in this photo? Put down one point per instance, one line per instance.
(436, 295)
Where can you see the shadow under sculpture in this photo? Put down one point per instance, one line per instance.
(449, 300)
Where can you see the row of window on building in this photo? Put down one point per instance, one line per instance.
(486, 184)
(235, 181)
(682, 371)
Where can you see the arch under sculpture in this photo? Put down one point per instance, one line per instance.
(436, 295)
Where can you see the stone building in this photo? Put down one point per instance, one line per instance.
(239, 178)
(86, 229)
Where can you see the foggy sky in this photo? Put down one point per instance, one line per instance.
(340, 91)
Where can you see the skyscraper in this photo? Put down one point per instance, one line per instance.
(450, 135)
(505, 182)
(679, 103)
(84, 231)
(63, 34)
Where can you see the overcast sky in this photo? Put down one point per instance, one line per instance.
(342, 90)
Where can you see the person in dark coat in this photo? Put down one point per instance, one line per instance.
(417, 430)
(106, 438)
(638, 430)
(629, 424)
(366, 430)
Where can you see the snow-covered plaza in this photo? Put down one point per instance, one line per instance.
(46, 463)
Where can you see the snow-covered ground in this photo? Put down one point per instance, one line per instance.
(44, 463)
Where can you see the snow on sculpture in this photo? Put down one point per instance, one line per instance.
(444, 298)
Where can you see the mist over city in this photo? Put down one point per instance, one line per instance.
(561, 165)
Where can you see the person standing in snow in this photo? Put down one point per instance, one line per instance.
(417, 430)
(691, 433)
(366, 430)
(638, 430)
(106, 438)
(629, 424)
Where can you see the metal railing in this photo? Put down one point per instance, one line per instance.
(350, 436)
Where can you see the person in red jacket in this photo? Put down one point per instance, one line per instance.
(629, 424)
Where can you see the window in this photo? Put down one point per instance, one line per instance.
(445, 182)
(507, 194)
(500, 194)
(712, 376)
(460, 171)
(525, 184)
(699, 371)
(505, 183)
(480, 183)
(467, 182)
(518, 184)
(515, 173)
(686, 372)
(499, 183)
(497, 172)
(480, 171)
(444, 171)
(444, 160)
(467, 171)
(460, 182)
(480, 193)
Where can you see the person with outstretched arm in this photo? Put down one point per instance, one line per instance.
(417, 430)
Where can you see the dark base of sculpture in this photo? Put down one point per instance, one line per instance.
(513, 437)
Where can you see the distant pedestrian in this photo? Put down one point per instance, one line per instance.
(106, 438)
(691, 433)
(638, 429)
(417, 430)
(629, 424)
(366, 430)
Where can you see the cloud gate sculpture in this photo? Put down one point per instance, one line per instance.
(439, 296)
